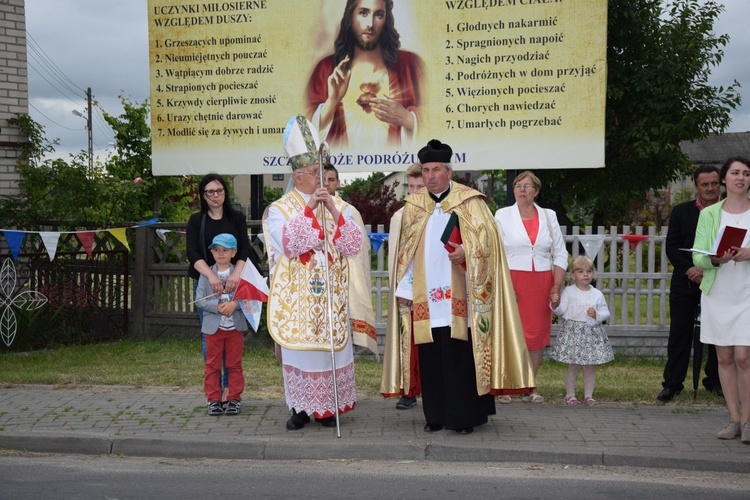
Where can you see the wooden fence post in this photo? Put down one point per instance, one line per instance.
(139, 283)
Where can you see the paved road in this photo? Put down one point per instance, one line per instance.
(165, 423)
(117, 477)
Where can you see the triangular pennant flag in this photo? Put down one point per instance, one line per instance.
(251, 291)
(634, 239)
(87, 240)
(149, 222)
(591, 243)
(50, 239)
(119, 233)
(162, 234)
(15, 240)
(377, 239)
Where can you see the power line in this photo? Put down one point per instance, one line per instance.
(53, 86)
(50, 63)
(53, 121)
(52, 79)
(40, 62)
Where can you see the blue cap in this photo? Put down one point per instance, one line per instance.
(225, 240)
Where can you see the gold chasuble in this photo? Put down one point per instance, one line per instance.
(360, 290)
(297, 316)
(483, 294)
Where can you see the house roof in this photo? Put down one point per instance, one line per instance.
(716, 148)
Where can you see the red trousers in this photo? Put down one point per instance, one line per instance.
(415, 381)
(232, 342)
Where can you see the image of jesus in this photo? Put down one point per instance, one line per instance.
(368, 90)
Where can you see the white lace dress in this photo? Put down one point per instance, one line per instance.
(581, 339)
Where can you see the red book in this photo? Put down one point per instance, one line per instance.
(452, 233)
(729, 236)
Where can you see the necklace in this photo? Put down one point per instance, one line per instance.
(737, 218)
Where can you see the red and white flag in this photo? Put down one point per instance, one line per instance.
(251, 292)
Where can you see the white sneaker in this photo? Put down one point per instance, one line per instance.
(731, 431)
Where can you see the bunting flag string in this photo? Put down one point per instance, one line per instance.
(87, 240)
(15, 240)
(119, 234)
(377, 239)
(591, 243)
(162, 234)
(634, 239)
(51, 239)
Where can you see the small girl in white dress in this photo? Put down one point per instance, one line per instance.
(581, 342)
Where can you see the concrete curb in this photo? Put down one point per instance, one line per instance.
(76, 444)
(254, 449)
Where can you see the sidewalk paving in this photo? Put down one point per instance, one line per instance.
(164, 423)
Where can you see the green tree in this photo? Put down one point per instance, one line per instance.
(271, 194)
(375, 201)
(495, 194)
(362, 184)
(121, 189)
(167, 197)
(660, 56)
(55, 190)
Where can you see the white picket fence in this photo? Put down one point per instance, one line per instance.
(632, 271)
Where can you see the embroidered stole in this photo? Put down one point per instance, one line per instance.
(298, 312)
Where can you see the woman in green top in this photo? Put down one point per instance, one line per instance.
(725, 303)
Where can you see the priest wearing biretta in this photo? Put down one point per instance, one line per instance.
(456, 301)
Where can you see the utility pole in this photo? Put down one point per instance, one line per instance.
(90, 129)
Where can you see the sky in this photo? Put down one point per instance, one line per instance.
(103, 44)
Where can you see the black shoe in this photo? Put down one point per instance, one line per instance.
(716, 389)
(215, 409)
(405, 403)
(297, 421)
(233, 408)
(465, 430)
(327, 422)
(433, 428)
(667, 394)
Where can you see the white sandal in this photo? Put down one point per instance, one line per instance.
(534, 398)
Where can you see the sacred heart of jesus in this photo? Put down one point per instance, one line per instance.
(369, 91)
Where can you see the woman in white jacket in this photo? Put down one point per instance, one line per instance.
(537, 259)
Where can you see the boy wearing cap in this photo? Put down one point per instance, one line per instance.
(224, 325)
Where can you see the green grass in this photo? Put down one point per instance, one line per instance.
(178, 365)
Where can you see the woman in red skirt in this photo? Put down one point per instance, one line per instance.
(537, 259)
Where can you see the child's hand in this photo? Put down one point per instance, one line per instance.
(227, 308)
(591, 312)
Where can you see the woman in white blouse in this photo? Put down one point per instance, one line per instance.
(537, 259)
